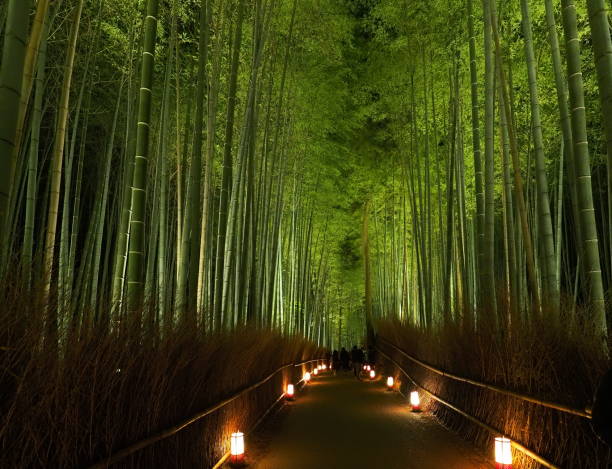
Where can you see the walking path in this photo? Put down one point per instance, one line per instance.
(337, 422)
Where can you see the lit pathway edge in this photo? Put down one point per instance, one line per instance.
(118, 456)
(523, 449)
(586, 413)
(226, 456)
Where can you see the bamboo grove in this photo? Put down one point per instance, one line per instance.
(307, 165)
(497, 211)
(156, 164)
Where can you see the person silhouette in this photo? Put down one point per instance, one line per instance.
(357, 360)
(344, 358)
(335, 361)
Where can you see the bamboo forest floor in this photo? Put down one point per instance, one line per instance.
(338, 422)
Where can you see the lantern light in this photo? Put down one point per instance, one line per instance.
(316, 371)
(503, 453)
(290, 394)
(415, 401)
(306, 377)
(372, 374)
(237, 448)
(368, 368)
(365, 367)
(390, 383)
(324, 366)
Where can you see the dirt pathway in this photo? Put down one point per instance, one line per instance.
(340, 423)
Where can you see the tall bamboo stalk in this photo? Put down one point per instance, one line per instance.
(58, 158)
(13, 59)
(488, 266)
(590, 244)
(546, 237)
(135, 262)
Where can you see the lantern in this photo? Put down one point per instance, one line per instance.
(390, 382)
(306, 377)
(316, 371)
(290, 392)
(237, 448)
(372, 374)
(368, 368)
(503, 453)
(324, 366)
(415, 402)
(365, 368)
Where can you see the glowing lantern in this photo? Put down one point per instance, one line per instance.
(368, 368)
(415, 402)
(372, 374)
(316, 371)
(503, 453)
(237, 448)
(290, 392)
(390, 382)
(324, 367)
(306, 377)
(365, 368)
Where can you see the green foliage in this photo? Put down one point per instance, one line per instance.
(366, 116)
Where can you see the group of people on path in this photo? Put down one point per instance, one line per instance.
(353, 360)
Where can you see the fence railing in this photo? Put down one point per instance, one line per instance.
(133, 448)
(226, 456)
(585, 413)
(523, 449)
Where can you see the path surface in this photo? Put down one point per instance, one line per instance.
(340, 423)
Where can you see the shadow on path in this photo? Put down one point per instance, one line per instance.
(340, 423)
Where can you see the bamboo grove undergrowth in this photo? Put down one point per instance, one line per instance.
(307, 165)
